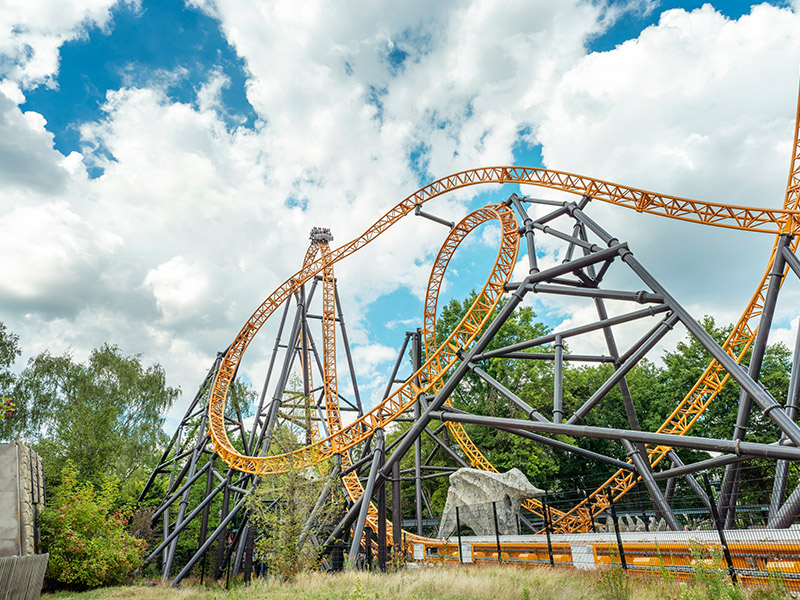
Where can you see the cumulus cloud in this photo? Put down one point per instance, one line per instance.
(32, 32)
(57, 256)
(194, 221)
(27, 157)
(699, 106)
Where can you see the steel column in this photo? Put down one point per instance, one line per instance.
(728, 493)
(782, 467)
(558, 381)
(358, 531)
(696, 488)
(643, 468)
(416, 357)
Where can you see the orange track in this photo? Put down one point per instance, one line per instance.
(786, 221)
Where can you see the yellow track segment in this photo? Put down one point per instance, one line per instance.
(745, 218)
(454, 239)
(713, 379)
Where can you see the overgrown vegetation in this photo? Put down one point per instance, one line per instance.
(87, 535)
(281, 508)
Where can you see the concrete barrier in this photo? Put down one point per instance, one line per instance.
(21, 577)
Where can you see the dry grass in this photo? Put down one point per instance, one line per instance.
(430, 583)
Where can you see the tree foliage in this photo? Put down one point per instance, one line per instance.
(87, 538)
(105, 416)
(9, 351)
(657, 386)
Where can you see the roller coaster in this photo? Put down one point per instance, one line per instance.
(589, 256)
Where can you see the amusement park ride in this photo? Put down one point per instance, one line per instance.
(590, 254)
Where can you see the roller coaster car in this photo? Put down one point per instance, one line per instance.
(321, 234)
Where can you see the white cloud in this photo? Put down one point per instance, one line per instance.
(194, 222)
(27, 157)
(55, 258)
(699, 106)
(179, 288)
(32, 32)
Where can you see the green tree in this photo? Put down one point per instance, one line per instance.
(87, 538)
(105, 416)
(280, 508)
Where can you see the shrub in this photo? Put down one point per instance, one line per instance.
(87, 538)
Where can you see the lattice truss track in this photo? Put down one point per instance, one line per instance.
(593, 263)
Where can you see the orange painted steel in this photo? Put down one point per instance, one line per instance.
(786, 221)
(457, 235)
(713, 379)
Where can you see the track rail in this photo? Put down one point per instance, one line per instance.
(746, 218)
(713, 379)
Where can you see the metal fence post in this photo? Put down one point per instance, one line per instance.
(458, 532)
(497, 533)
(720, 532)
(610, 498)
(546, 517)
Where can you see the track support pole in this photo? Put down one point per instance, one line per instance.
(365, 502)
(643, 467)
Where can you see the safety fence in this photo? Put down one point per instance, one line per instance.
(21, 577)
(631, 535)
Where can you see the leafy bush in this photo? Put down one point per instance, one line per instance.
(7, 408)
(87, 538)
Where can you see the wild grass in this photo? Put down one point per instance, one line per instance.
(442, 583)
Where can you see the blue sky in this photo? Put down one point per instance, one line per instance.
(164, 161)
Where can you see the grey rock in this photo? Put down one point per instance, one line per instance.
(473, 492)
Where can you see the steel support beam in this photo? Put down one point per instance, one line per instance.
(365, 500)
(416, 357)
(653, 337)
(609, 433)
(730, 482)
(782, 467)
(220, 528)
(696, 487)
(519, 402)
(558, 380)
(756, 391)
(346, 343)
(567, 333)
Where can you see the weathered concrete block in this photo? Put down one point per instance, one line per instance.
(21, 499)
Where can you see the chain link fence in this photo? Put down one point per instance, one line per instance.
(630, 534)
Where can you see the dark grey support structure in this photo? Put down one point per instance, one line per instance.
(416, 358)
(365, 499)
(579, 276)
(643, 468)
(730, 483)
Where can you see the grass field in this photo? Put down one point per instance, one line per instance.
(447, 583)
